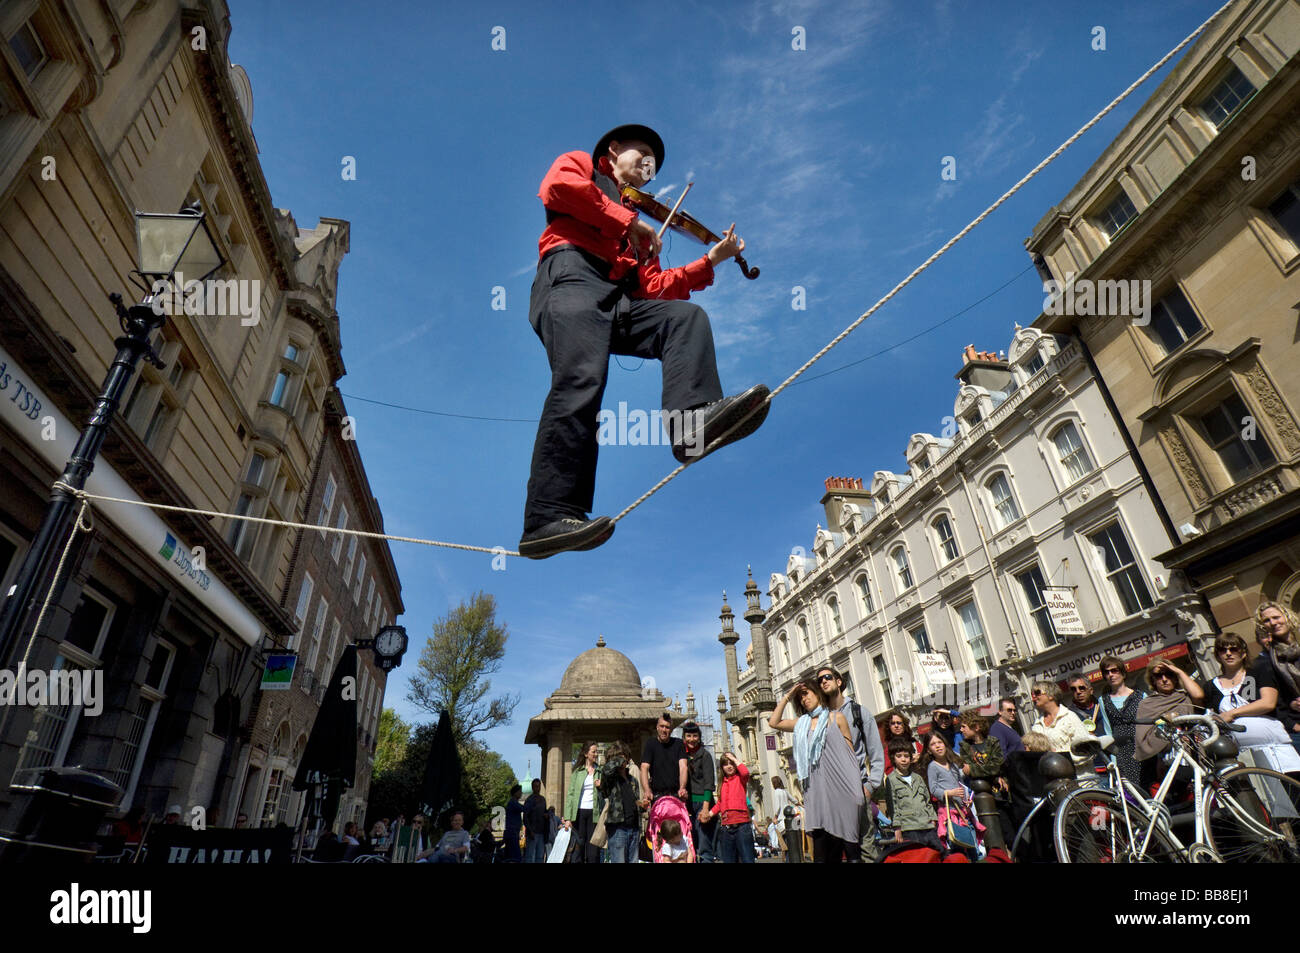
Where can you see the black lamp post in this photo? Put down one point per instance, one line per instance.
(165, 244)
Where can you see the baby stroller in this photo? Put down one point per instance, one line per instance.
(667, 806)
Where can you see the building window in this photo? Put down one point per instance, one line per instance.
(1286, 210)
(351, 560)
(833, 605)
(947, 542)
(899, 556)
(130, 757)
(1035, 364)
(805, 645)
(1121, 568)
(1173, 322)
(1116, 215)
(785, 650)
(361, 571)
(864, 593)
(157, 395)
(1223, 428)
(342, 523)
(327, 502)
(82, 650)
(1074, 455)
(256, 470)
(304, 597)
(1031, 581)
(243, 534)
(1227, 97)
(883, 680)
(979, 646)
(327, 670)
(317, 631)
(921, 639)
(29, 50)
(1003, 502)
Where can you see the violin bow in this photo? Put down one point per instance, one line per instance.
(680, 199)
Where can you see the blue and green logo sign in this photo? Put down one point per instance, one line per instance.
(169, 547)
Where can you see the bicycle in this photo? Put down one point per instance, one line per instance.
(1238, 813)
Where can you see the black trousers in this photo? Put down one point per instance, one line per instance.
(827, 848)
(582, 318)
(583, 828)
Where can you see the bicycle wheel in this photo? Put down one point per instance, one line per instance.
(1089, 828)
(1252, 815)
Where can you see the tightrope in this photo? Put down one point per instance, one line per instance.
(917, 271)
(195, 511)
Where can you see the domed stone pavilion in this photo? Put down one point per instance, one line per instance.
(600, 699)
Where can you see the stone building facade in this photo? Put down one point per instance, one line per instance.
(1199, 196)
(115, 107)
(341, 588)
(1032, 486)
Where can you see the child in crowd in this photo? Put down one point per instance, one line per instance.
(907, 799)
(982, 754)
(672, 845)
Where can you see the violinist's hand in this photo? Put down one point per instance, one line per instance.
(730, 246)
(644, 240)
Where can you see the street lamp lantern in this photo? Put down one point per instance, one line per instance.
(180, 242)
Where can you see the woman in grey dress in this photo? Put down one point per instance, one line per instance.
(828, 770)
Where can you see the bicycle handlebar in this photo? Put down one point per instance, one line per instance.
(1188, 721)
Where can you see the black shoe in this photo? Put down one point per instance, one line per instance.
(729, 419)
(564, 535)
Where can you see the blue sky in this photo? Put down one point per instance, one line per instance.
(827, 158)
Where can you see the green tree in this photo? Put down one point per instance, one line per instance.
(390, 745)
(486, 778)
(467, 646)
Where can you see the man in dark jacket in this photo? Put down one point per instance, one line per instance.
(536, 822)
(599, 291)
(700, 779)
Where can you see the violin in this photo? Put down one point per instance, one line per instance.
(679, 222)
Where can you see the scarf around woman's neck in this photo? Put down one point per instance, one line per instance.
(808, 750)
(1285, 657)
(1146, 742)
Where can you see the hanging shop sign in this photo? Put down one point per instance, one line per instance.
(278, 674)
(1061, 606)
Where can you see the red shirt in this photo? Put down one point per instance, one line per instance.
(731, 797)
(589, 219)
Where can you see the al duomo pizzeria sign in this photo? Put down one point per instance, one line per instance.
(1136, 651)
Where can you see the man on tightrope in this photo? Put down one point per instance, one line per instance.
(599, 291)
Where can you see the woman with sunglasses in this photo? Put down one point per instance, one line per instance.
(828, 769)
(1247, 697)
(1060, 726)
(897, 727)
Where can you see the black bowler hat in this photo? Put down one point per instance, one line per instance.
(633, 131)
